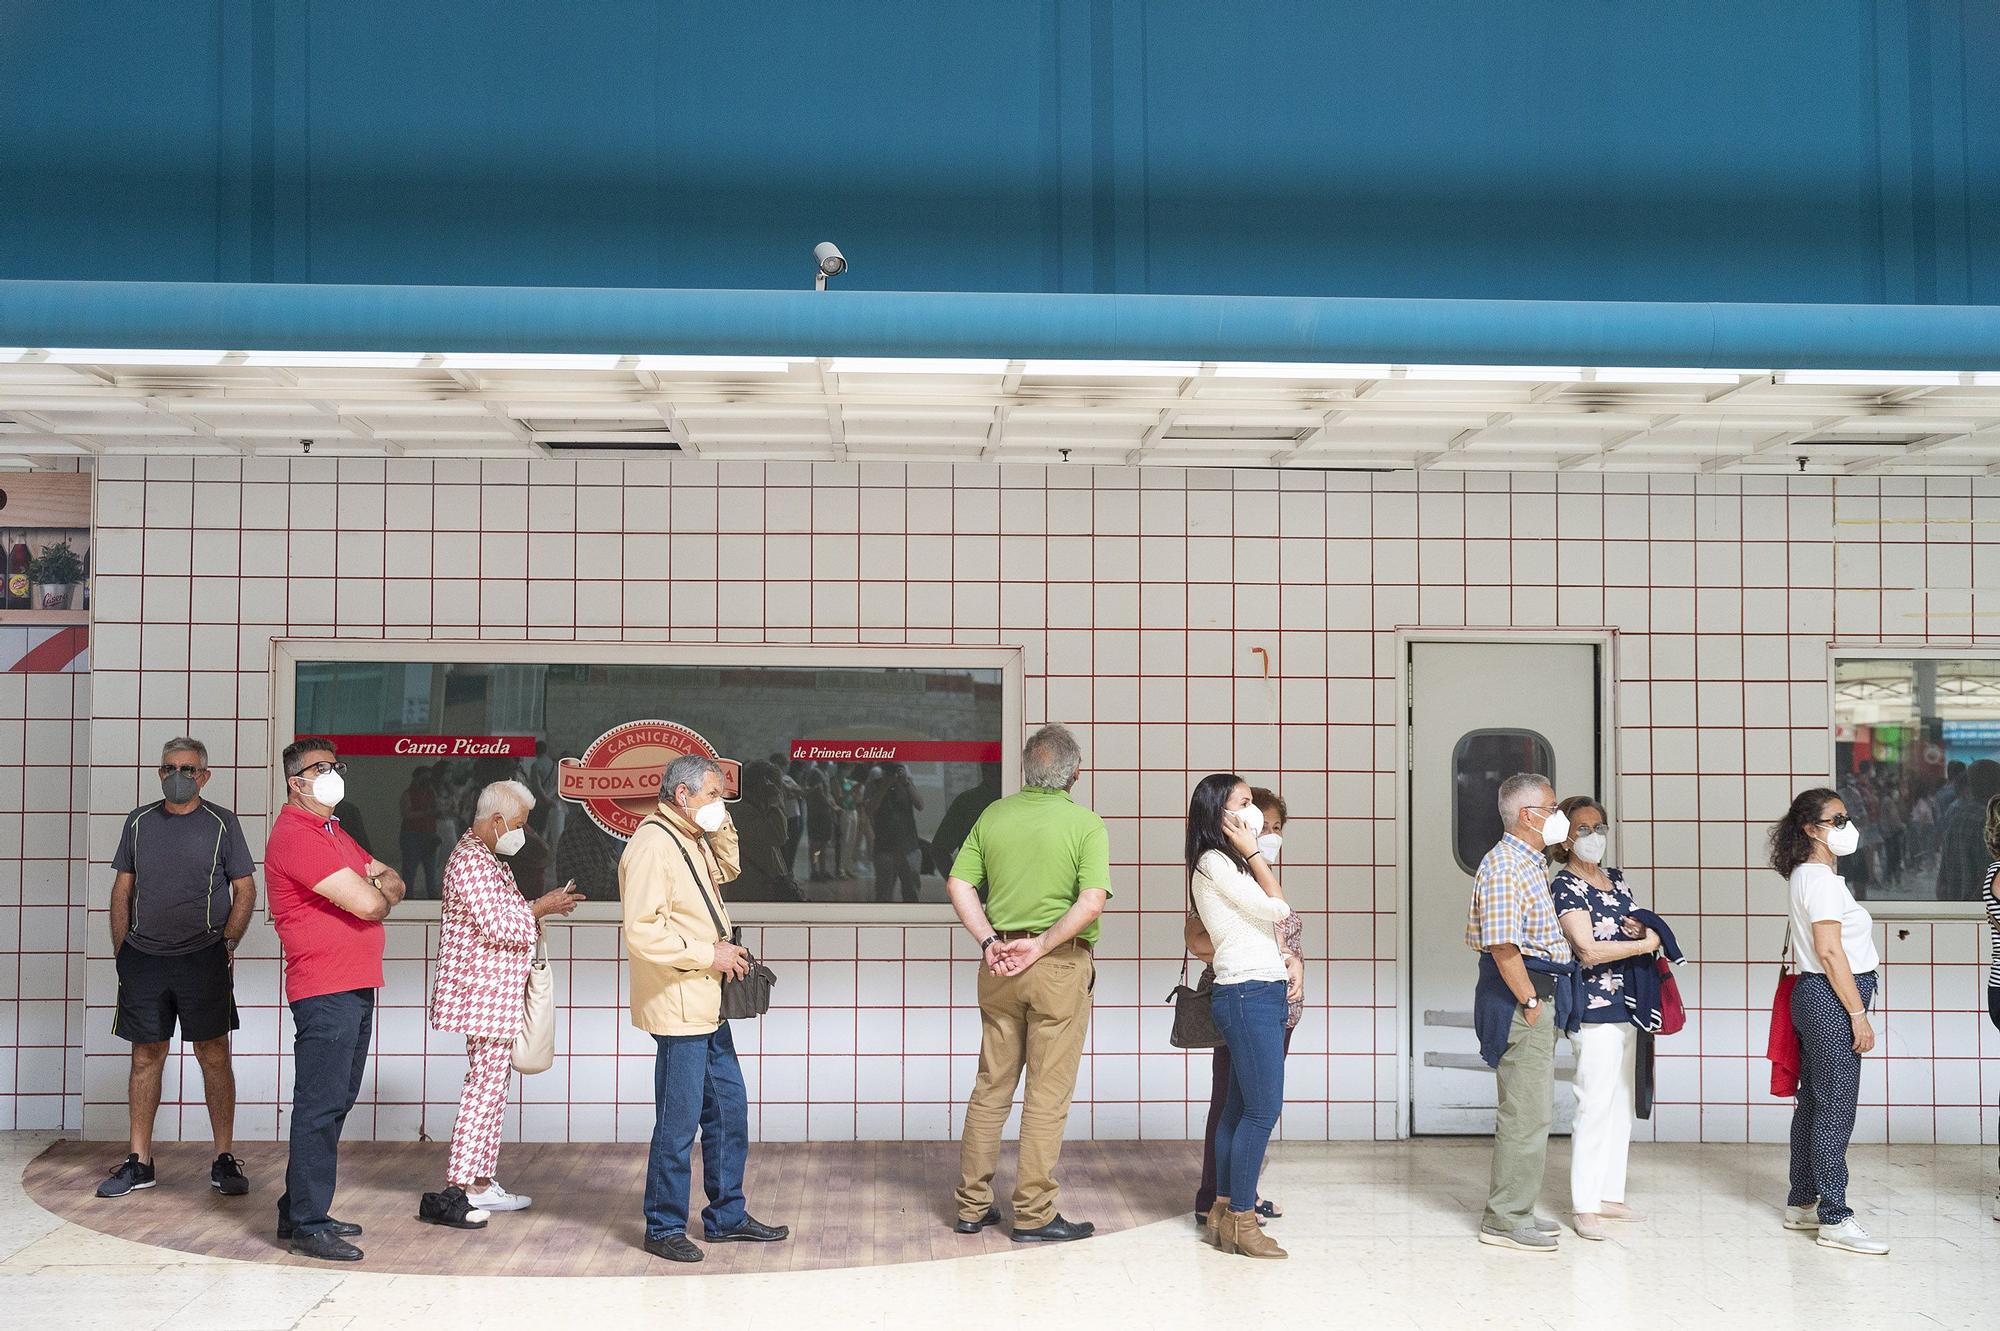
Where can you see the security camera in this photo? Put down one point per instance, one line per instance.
(830, 262)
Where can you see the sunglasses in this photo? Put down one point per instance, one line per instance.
(1838, 820)
(185, 769)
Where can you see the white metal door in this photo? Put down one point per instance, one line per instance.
(1479, 712)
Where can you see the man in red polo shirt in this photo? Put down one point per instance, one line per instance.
(328, 899)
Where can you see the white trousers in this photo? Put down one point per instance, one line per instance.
(1601, 1136)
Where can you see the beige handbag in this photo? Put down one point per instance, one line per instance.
(535, 1046)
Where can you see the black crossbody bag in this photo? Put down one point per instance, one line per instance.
(751, 995)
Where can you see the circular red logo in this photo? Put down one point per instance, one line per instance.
(617, 781)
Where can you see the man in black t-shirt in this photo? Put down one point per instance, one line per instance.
(179, 906)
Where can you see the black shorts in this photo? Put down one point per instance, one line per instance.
(154, 992)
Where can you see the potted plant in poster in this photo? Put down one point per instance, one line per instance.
(55, 572)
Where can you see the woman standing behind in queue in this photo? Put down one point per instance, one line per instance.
(1241, 905)
(1273, 815)
(1833, 951)
(1595, 909)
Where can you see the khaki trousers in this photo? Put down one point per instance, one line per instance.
(1036, 1020)
(1521, 1128)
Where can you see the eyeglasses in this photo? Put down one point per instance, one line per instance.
(321, 769)
(1582, 829)
(1838, 820)
(185, 769)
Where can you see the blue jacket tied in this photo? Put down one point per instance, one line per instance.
(1493, 1002)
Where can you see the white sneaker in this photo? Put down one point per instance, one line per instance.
(497, 1198)
(1849, 1236)
(1803, 1217)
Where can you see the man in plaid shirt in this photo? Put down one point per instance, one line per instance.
(1523, 952)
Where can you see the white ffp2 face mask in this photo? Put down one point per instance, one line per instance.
(1590, 849)
(1555, 828)
(1269, 844)
(511, 841)
(1252, 817)
(711, 816)
(1843, 840)
(329, 788)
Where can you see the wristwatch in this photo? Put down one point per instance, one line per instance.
(1533, 1003)
(988, 943)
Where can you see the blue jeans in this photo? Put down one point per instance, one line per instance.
(329, 1054)
(1251, 1017)
(697, 1083)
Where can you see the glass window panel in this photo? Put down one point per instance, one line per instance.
(1916, 759)
(849, 784)
(1480, 762)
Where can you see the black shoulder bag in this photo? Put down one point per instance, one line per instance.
(1194, 1012)
(751, 995)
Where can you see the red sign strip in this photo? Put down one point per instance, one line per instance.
(432, 746)
(895, 751)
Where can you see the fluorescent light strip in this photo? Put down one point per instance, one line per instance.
(1250, 369)
(1111, 369)
(132, 356)
(1890, 378)
(720, 364)
(480, 360)
(916, 365)
(1669, 375)
(1540, 374)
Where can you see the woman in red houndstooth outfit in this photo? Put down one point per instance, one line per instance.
(486, 942)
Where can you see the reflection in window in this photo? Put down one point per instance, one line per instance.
(1916, 758)
(1481, 761)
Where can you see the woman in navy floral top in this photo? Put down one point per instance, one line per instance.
(1595, 909)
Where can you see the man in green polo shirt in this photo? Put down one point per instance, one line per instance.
(1045, 863)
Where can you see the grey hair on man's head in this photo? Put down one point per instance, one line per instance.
(185, 744)
(690, 770)
(1519, 791)
(1051, 759)
(503, 797)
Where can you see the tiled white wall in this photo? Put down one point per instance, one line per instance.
(44, 776)
(1138, 596)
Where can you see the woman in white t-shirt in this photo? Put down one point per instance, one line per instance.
(1832, 946)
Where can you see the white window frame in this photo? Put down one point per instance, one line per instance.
(287, 653)
(1879, 651)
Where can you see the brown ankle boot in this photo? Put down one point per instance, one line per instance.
(1243, 1235)
(1211, 1229)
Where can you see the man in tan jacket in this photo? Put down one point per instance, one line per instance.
(677, 936)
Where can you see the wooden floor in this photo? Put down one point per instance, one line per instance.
(849, 1204)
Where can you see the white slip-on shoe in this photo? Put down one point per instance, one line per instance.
(1803, 1217)
(1617, 1211)
(1590, 1225)
(497, 1198)
(1849, 1236)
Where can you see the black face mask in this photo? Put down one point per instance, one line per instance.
(179, 787)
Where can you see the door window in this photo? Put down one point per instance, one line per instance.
(1480, 761)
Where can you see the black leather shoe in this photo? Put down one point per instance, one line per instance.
(752, 1230)
(1057, 1230)
(340, 1227)
(675, 1248)
(965, 1226)
(325, 1246)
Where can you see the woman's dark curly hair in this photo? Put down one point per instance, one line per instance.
(1791, 844)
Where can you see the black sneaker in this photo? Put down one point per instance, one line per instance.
(226, 1176)
(128, 1177)
(325, 1246)
(450, 1209)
